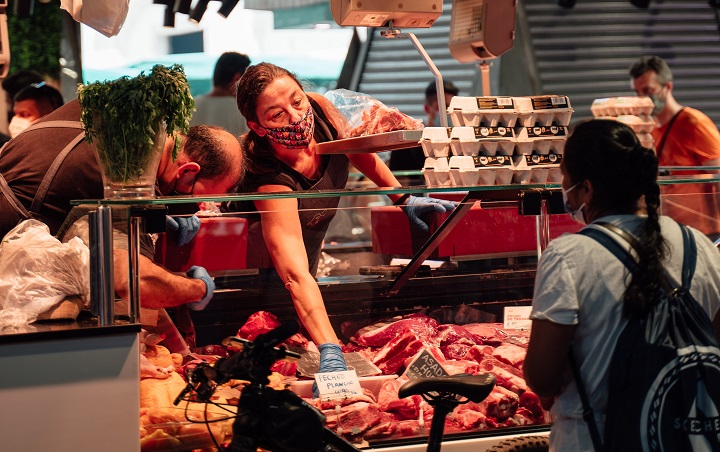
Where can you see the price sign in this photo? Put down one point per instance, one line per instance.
(338, 384)
(425, 366)
(517, 318)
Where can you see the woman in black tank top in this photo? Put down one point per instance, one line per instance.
(286, 124)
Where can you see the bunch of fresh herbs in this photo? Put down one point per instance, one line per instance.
(122, 117)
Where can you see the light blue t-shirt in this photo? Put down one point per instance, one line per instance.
(579, 282)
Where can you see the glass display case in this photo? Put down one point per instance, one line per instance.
(375, 267)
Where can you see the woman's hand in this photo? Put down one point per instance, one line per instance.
(416, 207)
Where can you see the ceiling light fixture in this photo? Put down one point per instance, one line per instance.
(183, 6)
(227, 7)
(197, 13)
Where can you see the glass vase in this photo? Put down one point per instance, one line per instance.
(130, 173)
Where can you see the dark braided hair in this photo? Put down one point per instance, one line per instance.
(622, 173)
(260, 156)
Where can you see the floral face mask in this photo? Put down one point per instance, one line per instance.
(294, 135)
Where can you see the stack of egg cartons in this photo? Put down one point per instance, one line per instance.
(498, 140)
(541, 132)
(631, 110)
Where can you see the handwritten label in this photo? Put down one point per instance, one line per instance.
(333, 385)
(517, 318)
(425, 366)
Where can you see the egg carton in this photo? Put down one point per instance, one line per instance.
(616, 106)
(488, 141)
(435, 142)
(436, 172)
(637, 123)
(482, 111)
(545, 110)
(481, 170)
(541, 140)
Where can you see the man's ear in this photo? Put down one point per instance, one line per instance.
(186, 175)
(670, 86)
(255, 127)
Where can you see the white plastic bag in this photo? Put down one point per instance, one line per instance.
(37, 271)
(105, 16)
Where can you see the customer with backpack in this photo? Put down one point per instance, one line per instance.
(586, 302)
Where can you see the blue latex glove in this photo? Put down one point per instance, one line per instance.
(200, 273)
(186, 227)
(416, 207)
(331, 360)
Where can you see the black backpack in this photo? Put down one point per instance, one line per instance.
(664, 374)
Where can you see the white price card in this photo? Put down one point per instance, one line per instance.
(517, 318)
(332, 385)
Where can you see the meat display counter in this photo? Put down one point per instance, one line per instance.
(376, 269)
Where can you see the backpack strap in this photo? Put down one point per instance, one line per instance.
(614, 247)
(587, 414)
(689, 257)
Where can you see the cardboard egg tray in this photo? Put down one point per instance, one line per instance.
(466, 170)
(616, 106)
(510, 111)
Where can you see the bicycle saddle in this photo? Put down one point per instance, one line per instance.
(472, 387)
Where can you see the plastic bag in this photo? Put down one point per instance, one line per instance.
(368, 116)
(105, 16)
(37, 272)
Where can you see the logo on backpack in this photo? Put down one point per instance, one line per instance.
(660, 424)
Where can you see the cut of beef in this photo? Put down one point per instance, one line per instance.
(384, 428)
(261, 322)
(450, 334)
(391, 358)
(511, 354)
(407, 408)
(420, 326)
(353, 419)
(500, 404)
(486, 333)
(461, 366)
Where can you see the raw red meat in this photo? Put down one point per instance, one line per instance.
(388, 400)
(261, 322)
(353, 419)
(460, 366)
(530, 401)
(500, 404)
(458, 350)
(450, 334)
(391, 358)
(385, 427)
(511, 354)
(377, 335)
(486, 333)
(409, 427)
(380, 118)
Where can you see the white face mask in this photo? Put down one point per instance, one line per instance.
(576, 215)
(17, 125)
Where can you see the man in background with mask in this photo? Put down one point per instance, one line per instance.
(32, 103)
(683, 136)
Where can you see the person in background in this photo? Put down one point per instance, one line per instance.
(583, 294)
(683, 136)
(11, 85)
(53, 150)
(218, 106)
(431, 101)
(32, 103)
(414, 159)
(286, 126)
